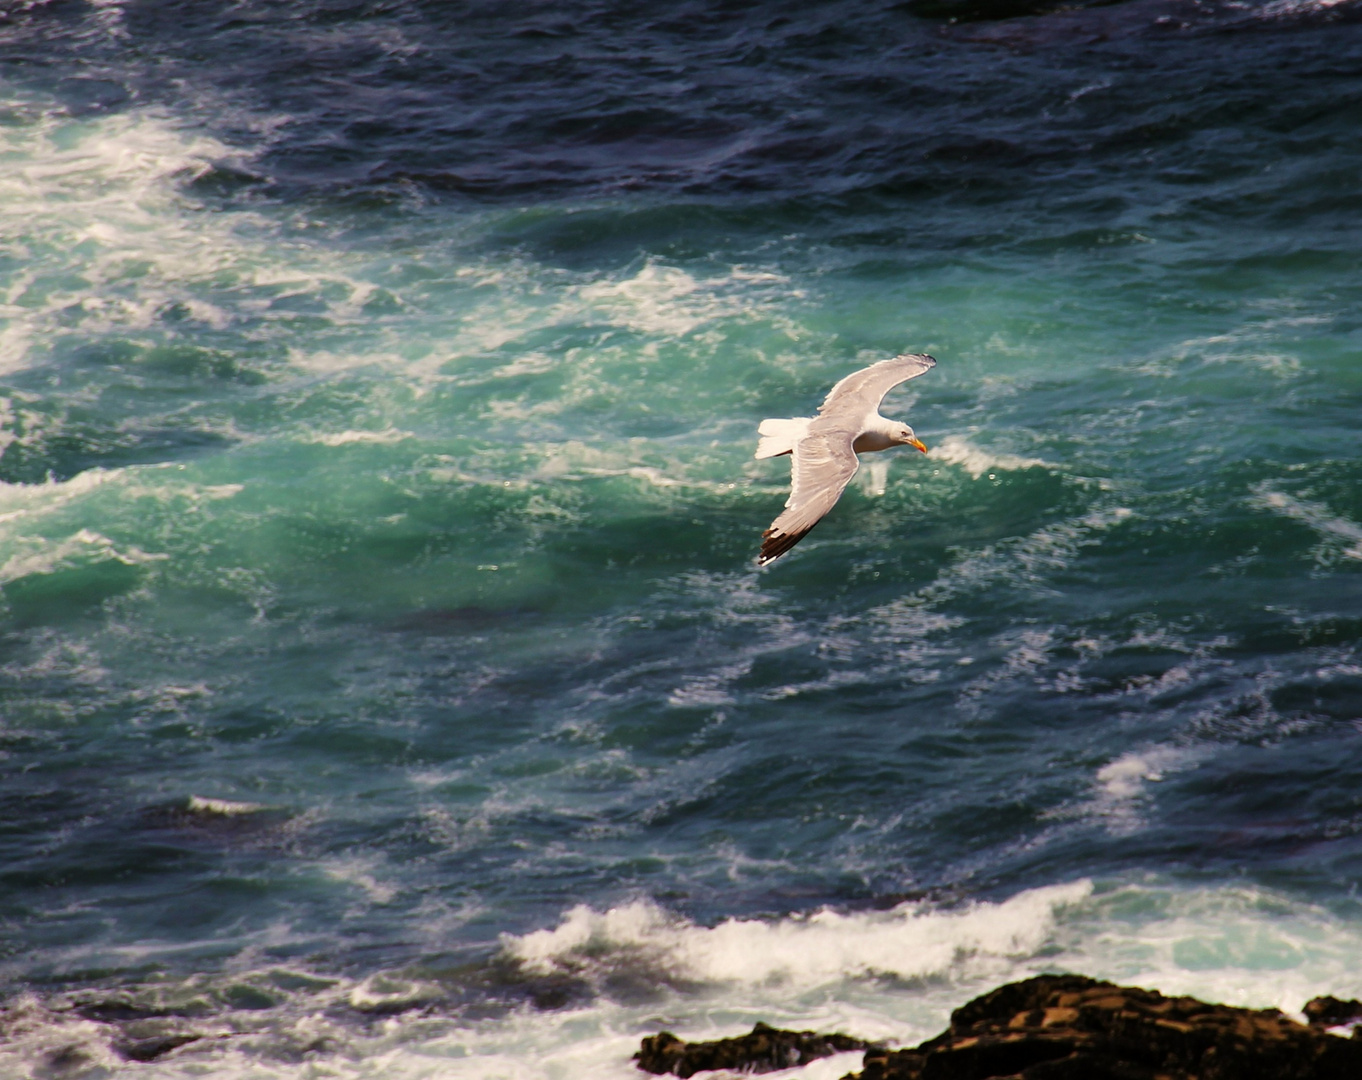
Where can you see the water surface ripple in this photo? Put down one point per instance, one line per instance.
(386, 684)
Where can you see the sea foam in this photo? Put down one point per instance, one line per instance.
(886, 975)
(912, 941)
(958, 450)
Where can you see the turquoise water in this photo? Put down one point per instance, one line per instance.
(388, 686)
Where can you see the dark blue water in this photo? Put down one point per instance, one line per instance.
(386, 683)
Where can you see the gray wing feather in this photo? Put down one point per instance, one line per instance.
(822, 466)
(861, 392)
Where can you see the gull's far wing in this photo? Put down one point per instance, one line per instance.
(822, 466)
(861, 392)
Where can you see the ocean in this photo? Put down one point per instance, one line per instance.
(387, 686)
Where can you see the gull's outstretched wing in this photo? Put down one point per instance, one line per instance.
(822, 466)
(860, 393)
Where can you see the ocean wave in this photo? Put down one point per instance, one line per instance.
(84, 547)
(887, 975)
(1017, 562)
(913, 941)
(88, 203)
(385, 437)
(1120, 786)
(1339, 536)
(667, 301)
(40, 524)
(958, 450)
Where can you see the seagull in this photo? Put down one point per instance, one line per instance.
(824, 447)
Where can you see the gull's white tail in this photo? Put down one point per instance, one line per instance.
(779, 436)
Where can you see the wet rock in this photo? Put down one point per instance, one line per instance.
(765, 1049)
(1063, 1027)
(153, 1048)
(63, 1062)
(1333, 1012)
(1069, 1027)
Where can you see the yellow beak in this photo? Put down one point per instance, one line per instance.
(917, 444)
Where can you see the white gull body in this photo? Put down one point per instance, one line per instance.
(823, 448)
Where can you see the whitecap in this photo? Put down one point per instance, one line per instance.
(957, 450)
(19, 500)
(361, 872)
(84, 547)
(666, 301)
(1120, 787)
(108, 190)
(912, 941)
(199, 804)
(1341, 535)
(1239, 945)
(1124, 777)
(387, 436)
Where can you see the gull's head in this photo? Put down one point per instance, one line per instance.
(903, 435)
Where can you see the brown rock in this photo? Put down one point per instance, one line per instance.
(1069, 1027)
(764, 1050)
(1333, 1012)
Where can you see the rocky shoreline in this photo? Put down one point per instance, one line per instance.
(1063, 1027)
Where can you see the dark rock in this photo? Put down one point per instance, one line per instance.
(1069, 1027)
(1063, 1027)
(151, 1049)
(63, 1062)
(766, 1049)
(1332, 1012)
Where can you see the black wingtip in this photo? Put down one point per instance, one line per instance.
(775, 544)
